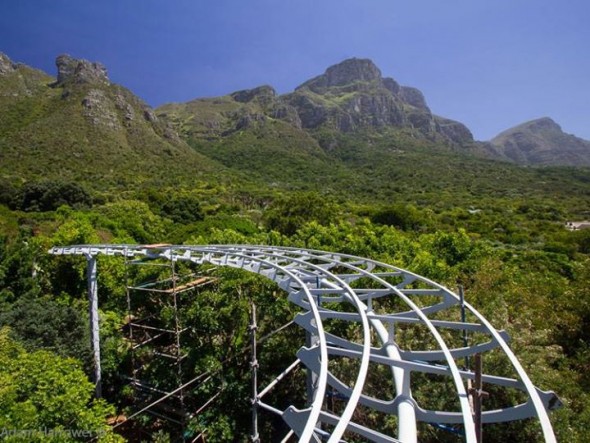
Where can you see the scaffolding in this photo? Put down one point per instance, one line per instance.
(157, 290)
(327, 286)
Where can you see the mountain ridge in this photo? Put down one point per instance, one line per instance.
(542, 142)
(353, 96)
(349, 126)
(347, 97)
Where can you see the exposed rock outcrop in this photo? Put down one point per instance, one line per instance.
(453, 130)
(74, 70)
(6, 65)
(413, 97)
(264, 97)
(353, 95)
(263, 94)
(343, 74)
(99, 109)
(391, 85)
(287, 113)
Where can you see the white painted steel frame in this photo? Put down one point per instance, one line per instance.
(306, 275)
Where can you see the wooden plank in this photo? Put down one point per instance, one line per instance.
(197, 282)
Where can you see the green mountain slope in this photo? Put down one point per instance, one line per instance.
(351, 130)
(82, 127)
(250, 132)
(348, 132)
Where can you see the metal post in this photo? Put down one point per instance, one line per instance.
(406, 412)
(477, 400)
(312, 377)
(94, 326)
(177, 329)
(477, 394)
(254, 365)
(130, 321)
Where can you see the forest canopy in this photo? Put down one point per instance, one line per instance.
(517, 263)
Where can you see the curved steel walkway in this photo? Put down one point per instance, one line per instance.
(331, 286)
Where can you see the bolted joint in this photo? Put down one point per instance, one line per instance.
(479, 393)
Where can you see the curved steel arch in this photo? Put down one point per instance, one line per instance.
(319, 282)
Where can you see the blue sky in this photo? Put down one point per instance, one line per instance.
(490, 64)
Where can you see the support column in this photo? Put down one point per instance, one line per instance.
(478, 394)
(254, 365)
(311, 378)
(94, 327)
(311, 339)
(406, 410)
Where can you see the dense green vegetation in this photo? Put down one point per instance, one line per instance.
(49, 394)
(518, 265)
(90, 163)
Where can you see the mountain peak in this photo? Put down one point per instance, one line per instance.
(542, 142)
(351, 70)
(345, 73)
(542, 124)
(536, 127)
(355, 96)
(74, 70)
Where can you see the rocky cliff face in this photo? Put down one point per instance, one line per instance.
(353, 95)
(541, 142)
(105, 105)
(265, 99)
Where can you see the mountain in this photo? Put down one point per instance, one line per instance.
(349, 97)
(82, 127)
(353, 96)
(347, 117)
(541, 142)
(349, 131)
